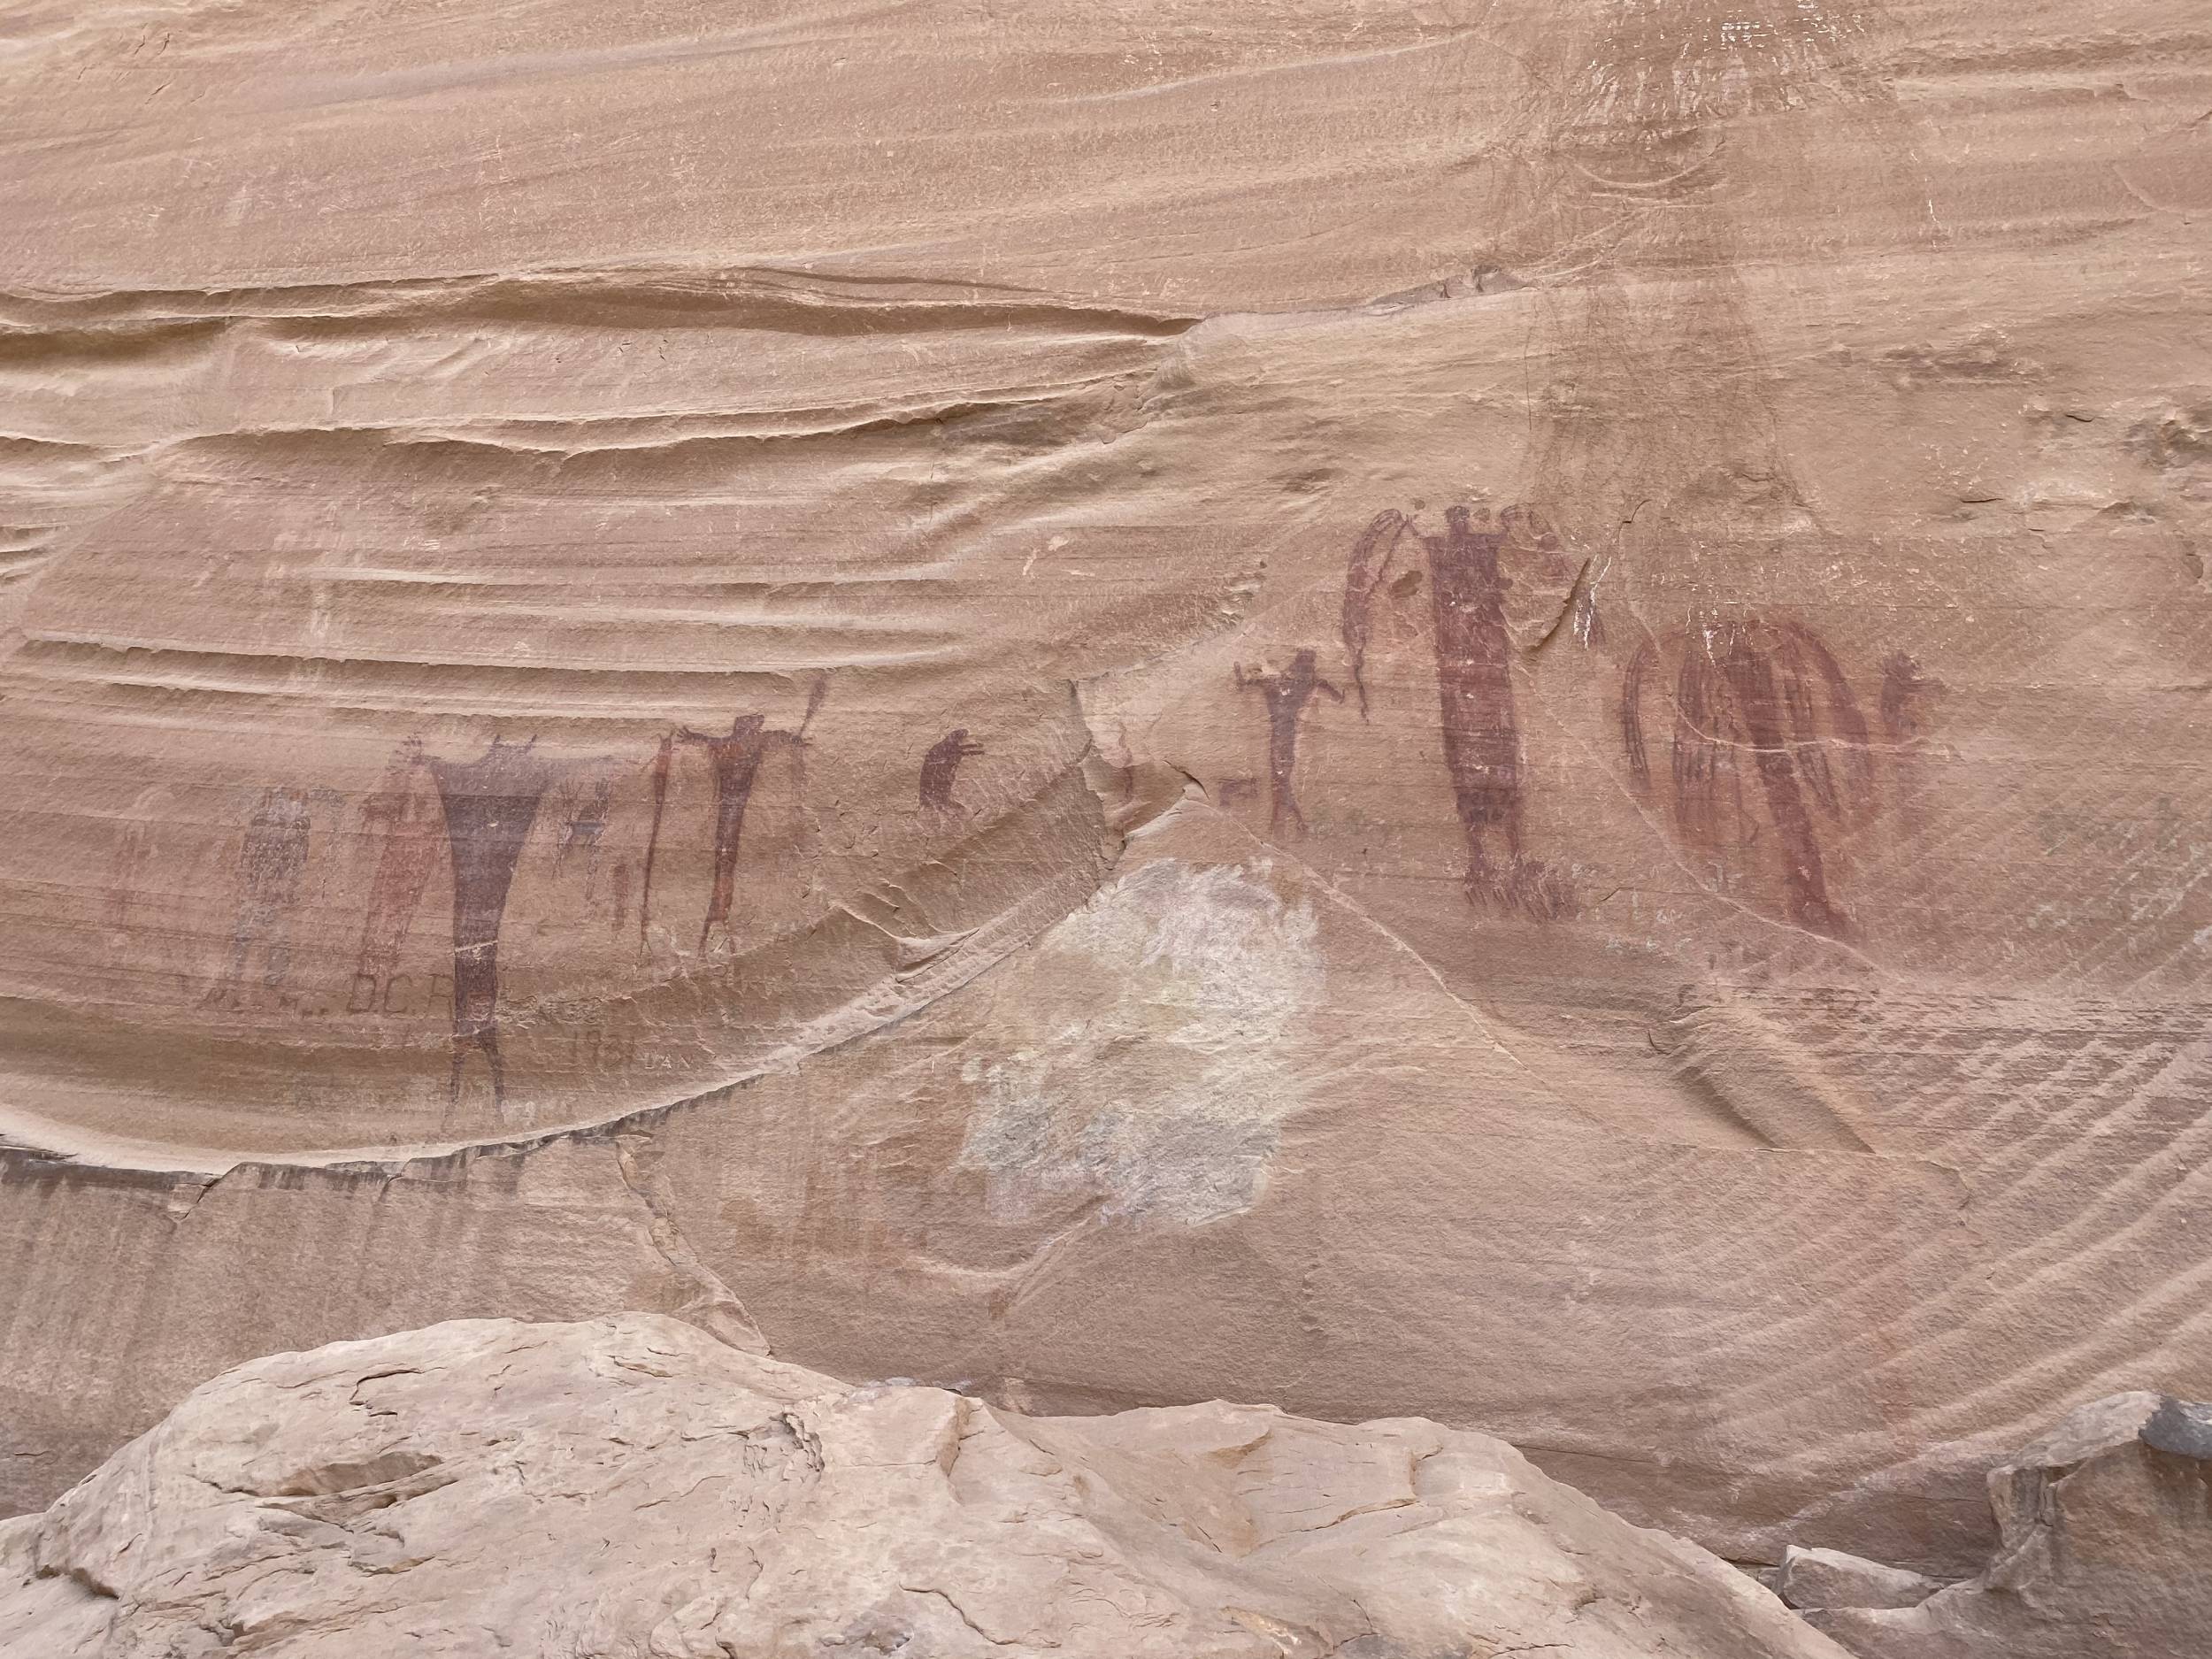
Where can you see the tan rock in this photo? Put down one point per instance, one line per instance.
(2105, 1530)
(629, 1487)
(1490, 711)
(1810, 1579)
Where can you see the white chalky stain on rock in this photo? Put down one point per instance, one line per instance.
(1161, 1081)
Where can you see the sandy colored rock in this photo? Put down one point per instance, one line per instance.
(1810, 1579)
(630, 1487)
(1482, 710)
(2105, 1548)
(195, 1274)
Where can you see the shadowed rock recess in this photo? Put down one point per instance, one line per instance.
(1493, 710)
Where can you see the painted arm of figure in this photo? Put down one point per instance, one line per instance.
(1632, 713)
(797, 741)
(1371, 557)
(814, 702)
(1818, 702)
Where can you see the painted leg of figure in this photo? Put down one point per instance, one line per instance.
(661, 762)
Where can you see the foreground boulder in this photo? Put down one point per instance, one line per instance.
(629, 1487)
(2105, 1550)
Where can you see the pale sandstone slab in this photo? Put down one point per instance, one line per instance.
(630, 1485)
(1813, 1580)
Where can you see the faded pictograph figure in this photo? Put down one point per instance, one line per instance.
(1656, 148)
(490, 805)
(941, 764)
(1286, 695)
(663, 763)
(133, 853)
(582, 828)
(1467, 584)
(272, 861)
(733, 758)
(1474, 683)
(620, 883)
(1906, 692)
(1767, 754)
(404, 822)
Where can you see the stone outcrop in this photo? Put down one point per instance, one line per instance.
(2105, 1551)
(1490, 710)
(1816, 1580)
(629, 1487)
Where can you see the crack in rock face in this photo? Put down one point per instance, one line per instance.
(1159, 1068)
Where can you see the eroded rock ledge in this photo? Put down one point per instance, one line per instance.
(630, 1487)
(2105, 1549)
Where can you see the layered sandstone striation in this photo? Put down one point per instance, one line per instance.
(1492, 711)
(631, 1486)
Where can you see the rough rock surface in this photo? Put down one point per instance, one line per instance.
(1812, 1579)
(1491, 709)
(2105, 1551)
(629, 1487)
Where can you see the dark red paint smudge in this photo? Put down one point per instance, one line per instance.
(403, 819)
(1482, 738)
(735, 758)
(662, 759)
(621, 896)
(490, 805)
(1286, 695)
(1767, 732)
(942, 763)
